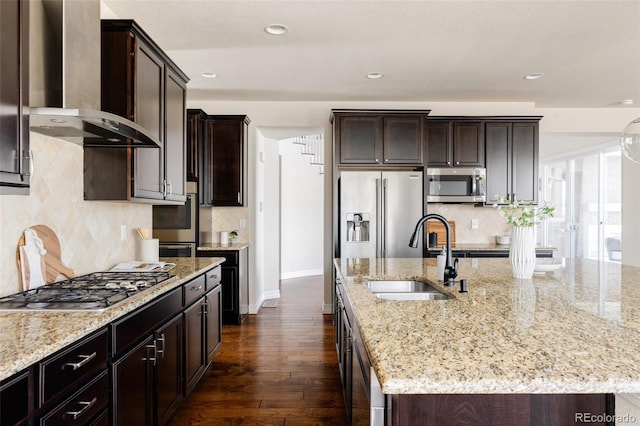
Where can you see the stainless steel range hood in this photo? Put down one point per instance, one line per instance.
(64, 78)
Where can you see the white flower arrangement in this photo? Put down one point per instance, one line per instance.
(520, 213)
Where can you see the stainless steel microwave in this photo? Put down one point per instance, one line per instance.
(456, 185)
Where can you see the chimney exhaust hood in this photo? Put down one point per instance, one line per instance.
(64, 78)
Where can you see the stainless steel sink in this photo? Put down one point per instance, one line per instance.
(412, 296)
(405, 290)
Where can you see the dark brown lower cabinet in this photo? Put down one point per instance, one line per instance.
(147, 381)
(498, 409)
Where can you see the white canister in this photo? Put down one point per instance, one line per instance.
(148, 250)
(224, 237)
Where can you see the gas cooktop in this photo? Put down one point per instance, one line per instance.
(95, 291)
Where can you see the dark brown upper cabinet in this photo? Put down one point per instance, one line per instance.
(196, 137)
(512, 159)
(15, 157)
(364, 137)
(140, 83)
(224, 169)
(455, 143)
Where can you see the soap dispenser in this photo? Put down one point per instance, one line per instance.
(441, 262)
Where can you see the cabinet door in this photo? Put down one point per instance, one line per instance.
(132, 383)
(149, 113)
(230, 302)
(360, 139)
(168, 370)
(213, 303)
(468, 144)
(226, 162)
(402, 140)
(195, 143)
(14, 96)
(498, 157)
(194, 351)
(439, 143)
(525, 161)
(174, 164)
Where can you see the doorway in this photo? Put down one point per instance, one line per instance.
(290, 207)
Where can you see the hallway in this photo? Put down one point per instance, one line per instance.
(278, 368)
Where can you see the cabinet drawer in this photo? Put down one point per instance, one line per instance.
(15, 393)
(213, 277)
(193, 290)
(73, 365)
(129, 330)
(81, 406)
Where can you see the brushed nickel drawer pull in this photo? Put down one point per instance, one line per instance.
(86, 405)
(161, 351)
(194, 288)
(76, 365)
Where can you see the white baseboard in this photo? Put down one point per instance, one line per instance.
(297, 274)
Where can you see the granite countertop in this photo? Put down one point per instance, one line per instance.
(478, 247)
(218, 246)
(574, 330)
(28, 337)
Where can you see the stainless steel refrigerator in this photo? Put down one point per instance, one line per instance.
(378, 213)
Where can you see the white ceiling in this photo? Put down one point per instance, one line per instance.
(459, 51)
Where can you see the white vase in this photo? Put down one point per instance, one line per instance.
(522, 253)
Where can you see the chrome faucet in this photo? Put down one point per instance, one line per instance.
(450, 270)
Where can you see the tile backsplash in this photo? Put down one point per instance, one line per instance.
(490, 223)
(89, 231)
(213, 220)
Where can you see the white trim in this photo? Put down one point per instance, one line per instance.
(297, 274)
(271, 294)
(327, 308)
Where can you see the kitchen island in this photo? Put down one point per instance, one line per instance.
(571, 331)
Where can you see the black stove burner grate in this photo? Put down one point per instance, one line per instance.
(97, 290)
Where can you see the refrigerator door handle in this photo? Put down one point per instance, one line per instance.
(378, 217)
(383, 215)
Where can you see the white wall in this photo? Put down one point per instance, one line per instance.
(316, 114)
(271, 219)
(301, 214)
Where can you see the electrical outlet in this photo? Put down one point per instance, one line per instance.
(243, 223)
(474, 223)
(123, 232)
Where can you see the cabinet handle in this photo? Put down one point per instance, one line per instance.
(75, 365)
(377, 160)
(153, 358)
(457, 163)
(164, 189)
(386, 159)
(194, 288)
(206, 308)
(170, 188)
(238, 197)
(161, 351)
(448, 163)
(85, 406)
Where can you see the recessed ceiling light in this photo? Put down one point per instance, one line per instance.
(375, 75)
(626, 102)
(534, 76)
(208, 74)
(276, 29)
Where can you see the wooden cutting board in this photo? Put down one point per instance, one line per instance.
(37, 269)
(438, 228)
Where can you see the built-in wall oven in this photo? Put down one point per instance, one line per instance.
(177, 226)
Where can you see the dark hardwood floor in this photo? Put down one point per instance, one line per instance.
(278, 368)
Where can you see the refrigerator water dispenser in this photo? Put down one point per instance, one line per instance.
(358, 227)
